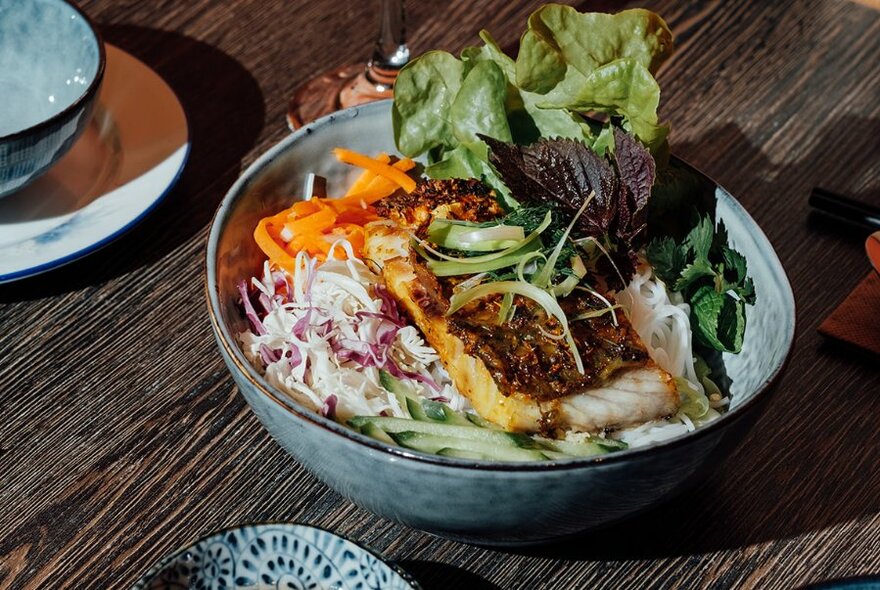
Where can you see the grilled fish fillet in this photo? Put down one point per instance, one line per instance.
(514, 375)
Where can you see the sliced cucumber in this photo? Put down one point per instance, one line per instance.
(396, 425)
(402, 391)
(463, 454)
(426, 410)
(433, 443)
(434, 427)
(593, 446)
(374, 431)
(481, 422)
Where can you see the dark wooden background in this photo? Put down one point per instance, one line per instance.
(122, 436)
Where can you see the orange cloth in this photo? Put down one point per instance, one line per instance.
(857, 319)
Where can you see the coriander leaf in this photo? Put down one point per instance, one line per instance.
(713, 279)
(699, 240)
(735, 263)
(692, 273)
(667, 258)
(736, 278)
(719, 242)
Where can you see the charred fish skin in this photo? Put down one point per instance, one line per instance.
(516, 375)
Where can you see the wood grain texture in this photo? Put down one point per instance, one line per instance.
(122, 436)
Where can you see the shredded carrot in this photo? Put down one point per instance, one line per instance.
(316, 224)
(377, 189)
(366, 176)
(380, 168)
(271, 248)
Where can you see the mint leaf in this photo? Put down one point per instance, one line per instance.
(718, 320)
(736, 275)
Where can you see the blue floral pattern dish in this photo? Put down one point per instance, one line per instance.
(274, 556)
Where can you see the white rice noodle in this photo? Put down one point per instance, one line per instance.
(662, 321)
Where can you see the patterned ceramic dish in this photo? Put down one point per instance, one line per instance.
(51, 66)
(277, 556)
(478, 501)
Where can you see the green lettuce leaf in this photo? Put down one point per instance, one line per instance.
(423, 96)
(559, 37)
(569, 63)
(479, 107)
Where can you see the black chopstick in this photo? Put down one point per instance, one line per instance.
(845, 209)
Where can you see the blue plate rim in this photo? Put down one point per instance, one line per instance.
(106, 240)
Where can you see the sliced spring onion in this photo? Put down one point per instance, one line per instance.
(571, 281)
(448, 268)
(469, 282)
(506, 304)
(531, 238)
(543, 278)
(694, 404)
(597, 295)
(521, 265)
(539, 296)
(566, 286)
(595, 313)
(592, 240)
(472, 237)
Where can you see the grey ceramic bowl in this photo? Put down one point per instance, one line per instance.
(51, 67)
(474, 501)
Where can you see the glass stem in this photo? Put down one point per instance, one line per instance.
(390, 52)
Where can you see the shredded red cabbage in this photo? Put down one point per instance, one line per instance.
(265, 302)
(389, 306)
(294, 357)
(249, 311)
(268, 355)
(328, 410)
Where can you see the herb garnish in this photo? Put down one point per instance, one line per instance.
(564, 172)
(713, 279)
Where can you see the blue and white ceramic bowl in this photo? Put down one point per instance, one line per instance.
(51, 66)
(477, 501)
(274, 556)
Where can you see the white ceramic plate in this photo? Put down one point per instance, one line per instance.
(129, 157)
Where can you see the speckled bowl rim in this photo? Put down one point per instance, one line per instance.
(87, 95)
(315, 419)
(157, 566)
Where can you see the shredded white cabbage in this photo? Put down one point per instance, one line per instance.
(327, 299)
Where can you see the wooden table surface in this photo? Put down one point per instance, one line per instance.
(122, 436)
